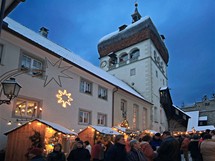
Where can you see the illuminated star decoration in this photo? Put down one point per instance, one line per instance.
(55, 72)
(64, 98)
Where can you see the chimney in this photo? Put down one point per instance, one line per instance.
(44, 31)
(122, 27)
(162, 37)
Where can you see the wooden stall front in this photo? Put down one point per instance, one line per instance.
(34, 133)
(97, 133)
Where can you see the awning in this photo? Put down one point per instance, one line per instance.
(105, 130)
(53, 125)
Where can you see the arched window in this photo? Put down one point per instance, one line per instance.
(134, 55)
(112, 62)
(123, 58)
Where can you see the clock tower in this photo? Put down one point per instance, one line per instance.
(137, 55)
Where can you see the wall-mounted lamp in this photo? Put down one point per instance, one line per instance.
(11, 90)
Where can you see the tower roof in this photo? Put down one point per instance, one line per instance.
(139, 31)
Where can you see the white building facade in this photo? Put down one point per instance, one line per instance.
(137, 55)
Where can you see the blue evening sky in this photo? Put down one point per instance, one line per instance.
(188, 25)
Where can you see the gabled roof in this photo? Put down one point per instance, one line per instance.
(76, 60)
(53, 125)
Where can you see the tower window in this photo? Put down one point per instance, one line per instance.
(132, 72)
(134, 55)
(123, 59)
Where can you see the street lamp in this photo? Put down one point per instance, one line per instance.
(11, 90)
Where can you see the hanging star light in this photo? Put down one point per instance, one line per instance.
(64, 98)
(54, 72)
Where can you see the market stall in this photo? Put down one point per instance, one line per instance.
(96, 133)
(36, 133)
(127, 132)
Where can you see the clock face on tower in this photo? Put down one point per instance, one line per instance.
(103, 64)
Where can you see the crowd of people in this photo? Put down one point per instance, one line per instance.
(163, 147)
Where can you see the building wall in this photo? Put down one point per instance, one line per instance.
(206, 107)
(34, 88)
(143, 118)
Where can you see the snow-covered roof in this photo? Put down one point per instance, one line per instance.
(53, 125)
(70, 56)
(203, 128)
(123, 129)
(163, 88)
(106, 37)
(180, 110)
(105, 130)
(194, 120)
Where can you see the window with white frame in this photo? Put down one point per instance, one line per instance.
(124, 108)
(135, 116)
(102, 93)
(85, 86)
(31, 64)
(26, 108)
(134, 55)
(84, 117)
(102, 119)
(132, 71)
(1, 53)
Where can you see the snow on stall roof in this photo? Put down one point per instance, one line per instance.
(106, 37)
(42, 41)
(123, 129)
(55, 126)
(203, 128)
(105, 130)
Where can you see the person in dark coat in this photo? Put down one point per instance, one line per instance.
(79, 154)
(117, 152)
(193, 147)
(35, 154)
(56, 155)
(169, 149)
(135, 153)
(156, 141)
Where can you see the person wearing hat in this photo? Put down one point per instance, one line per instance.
(79, 154)
(156, 141)
(35, 154)
(135, 153)
(57, 154)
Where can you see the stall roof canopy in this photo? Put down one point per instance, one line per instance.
(105, 130)
(55, 126)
